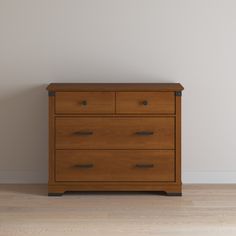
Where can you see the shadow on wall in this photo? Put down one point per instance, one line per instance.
(23, 136)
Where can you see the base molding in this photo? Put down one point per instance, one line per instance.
(189, 177)
(209, 177)
(171, 189)
(23, 176)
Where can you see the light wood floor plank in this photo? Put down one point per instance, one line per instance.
(203, 210)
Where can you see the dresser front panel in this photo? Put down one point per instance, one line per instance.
(115, 165)
(114, 137)
(115, 133)
(145, 102)
(85, 102)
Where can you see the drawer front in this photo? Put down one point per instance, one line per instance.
(119, 165)
(115, 133)
(145, 102)
(85, 102)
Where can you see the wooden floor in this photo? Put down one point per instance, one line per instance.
(203, 210)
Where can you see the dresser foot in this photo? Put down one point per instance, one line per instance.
(55, 194)
(174, 194)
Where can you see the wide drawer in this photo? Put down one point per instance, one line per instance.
(115, 165)
(85, 102)
(145, 102)
(115, 133)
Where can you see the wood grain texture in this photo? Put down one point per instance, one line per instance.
(115, 133)
(134, 186)
(145, 102)
(203, 210)
(98, 122)
(85, 102)
(178, 140)
(115, 165)
(115, 87)
(51, 140)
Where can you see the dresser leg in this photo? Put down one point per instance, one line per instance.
(55, 190)
(174, 194)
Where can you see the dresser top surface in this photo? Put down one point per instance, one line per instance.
(139, 87)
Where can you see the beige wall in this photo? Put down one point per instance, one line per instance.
(187, 41)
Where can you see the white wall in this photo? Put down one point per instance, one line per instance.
(187, 41)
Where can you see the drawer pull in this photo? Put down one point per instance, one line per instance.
(144, 133)
(83, 133)
(84, 103)
(144, 165)
(145, 102)
(85, 166)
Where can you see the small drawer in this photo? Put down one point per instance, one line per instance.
(115, 132)
(115, 165)
(85, 102)
(145, 102)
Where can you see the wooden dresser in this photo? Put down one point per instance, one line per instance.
(114, 137)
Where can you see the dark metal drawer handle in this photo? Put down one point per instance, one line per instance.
(144, 133)
(85, 166)
(84, 103)
(144, 165)
(83, 133)
(145, 102)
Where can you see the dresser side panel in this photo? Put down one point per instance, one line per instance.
(178, 139)
(51, 140)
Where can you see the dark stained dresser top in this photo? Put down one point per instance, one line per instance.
(116, 87)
